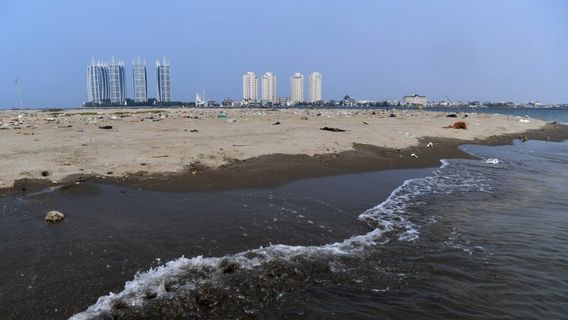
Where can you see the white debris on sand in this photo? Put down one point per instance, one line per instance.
(54, 216)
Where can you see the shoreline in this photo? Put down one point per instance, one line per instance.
(276, 169)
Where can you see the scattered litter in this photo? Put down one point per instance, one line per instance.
(429, 145)
(304, 118)
(332, 129)
(492, 161)
(232, 120)
(365, 122)
(193, 130)
(524, 120)
(105, 127)
(276, 123)
(453, 115)
(414, 156)
(457, 125)
(524, 138)
(54, 216)
(392, 115)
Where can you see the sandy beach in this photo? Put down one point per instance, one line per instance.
(55, 146)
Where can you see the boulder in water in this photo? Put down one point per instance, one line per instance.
(54, 216)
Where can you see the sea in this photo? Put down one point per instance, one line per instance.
(470, 239)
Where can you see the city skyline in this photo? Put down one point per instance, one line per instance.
(488, 50)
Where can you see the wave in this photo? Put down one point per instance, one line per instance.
(248, 280)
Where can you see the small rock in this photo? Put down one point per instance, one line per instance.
(54, 216)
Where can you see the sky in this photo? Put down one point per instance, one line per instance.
(488, 50)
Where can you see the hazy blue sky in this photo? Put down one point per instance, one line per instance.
(482, 50)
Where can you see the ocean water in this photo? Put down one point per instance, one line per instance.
(476, 239)
(471, 239)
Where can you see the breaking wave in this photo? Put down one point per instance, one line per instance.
(220, 287)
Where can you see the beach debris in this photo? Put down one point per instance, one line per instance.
(524, 120)
(524, 138)
(276, 123)
(54, 216)
(551, 122)
(392, 115)
(45, 173)
(193, 130)
(365, 122)
(457, 125)
(492, 161)
(414, 156)
(332, 129)
(222, 116)
(429, 145)
(232, 120)
(304, 118)
(105, 127)
(452, 115)
(5, 126)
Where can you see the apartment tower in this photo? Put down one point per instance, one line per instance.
(140, 81)
(250, 87)
(97, 82)
(297, 88)
(269, 84)
(315, 87)
(117, 82)
(163, 83)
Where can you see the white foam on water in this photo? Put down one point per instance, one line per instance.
(492, 161)
(389, 216)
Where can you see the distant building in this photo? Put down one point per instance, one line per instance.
(163, 81)
(315, 87)
(117, 82)
(269, 88)
(391, 102)
(97, 82)
(414, 100)
(140, 81)
(283, 101)
(297, 88)
(250, 87)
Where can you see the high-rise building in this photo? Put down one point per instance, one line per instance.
(163, 81)
(250, 87)
(97, 82)
(315, 87)
(297, 88)
(140, 81)
(117, 82)
(269, 85)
